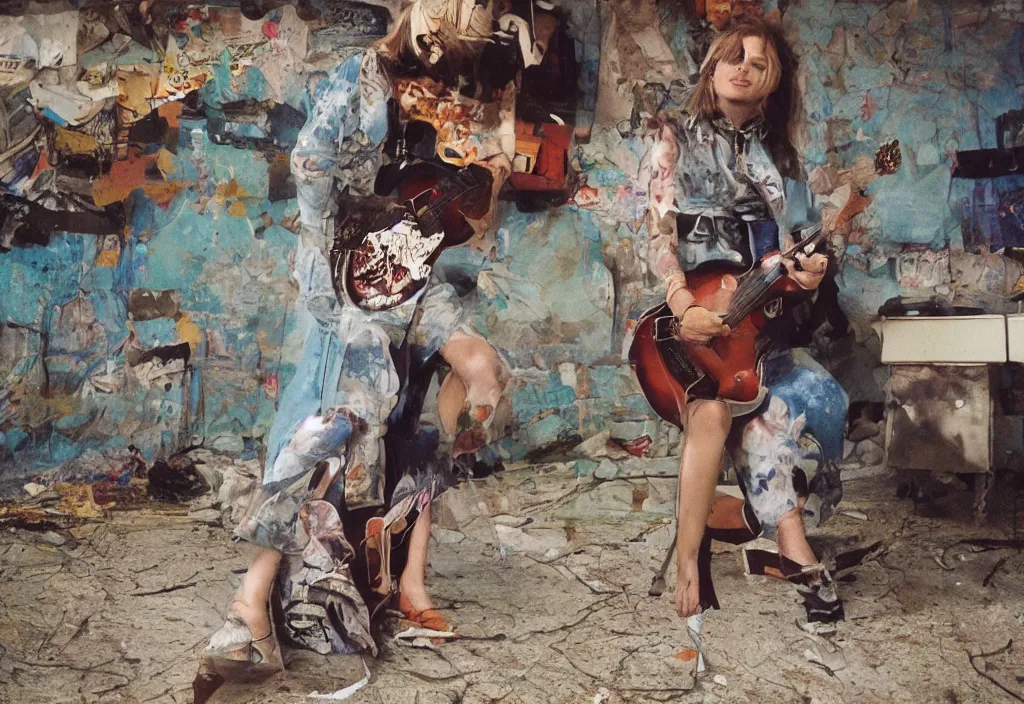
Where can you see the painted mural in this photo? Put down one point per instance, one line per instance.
(150, 217)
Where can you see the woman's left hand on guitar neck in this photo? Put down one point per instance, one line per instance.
(811, 272)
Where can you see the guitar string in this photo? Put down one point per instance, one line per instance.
(436, 208)
(750, 290)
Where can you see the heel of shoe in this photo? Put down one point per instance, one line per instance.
(232, 645)
(268, 649)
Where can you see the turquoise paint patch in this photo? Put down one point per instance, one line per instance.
(72, 421)
(606, 177)
(223, 87)
(861, 293)
(911, 211)
(35, 278)
(550, 430)
(15, 439)
(107, 53)
(111, 312)
(584, 468)
(532, 400)
(156, 333)
(61, 449)
(633, 408)
(247, 169)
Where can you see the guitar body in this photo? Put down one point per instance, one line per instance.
(424, 185)
(376, 270)
(663, 385)
(731, 360)
(670, 370)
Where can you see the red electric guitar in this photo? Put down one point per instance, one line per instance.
(670, 370)
(441, 197)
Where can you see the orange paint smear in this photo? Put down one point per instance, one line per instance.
(854, 206)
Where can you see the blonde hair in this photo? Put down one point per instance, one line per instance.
(398, 42)
(400, 51)
(779, 109)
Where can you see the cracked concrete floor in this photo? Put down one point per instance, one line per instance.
(118, 611)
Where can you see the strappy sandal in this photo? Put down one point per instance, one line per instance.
(431, 619)
(814, 583)
(377, 547)
(233, 643)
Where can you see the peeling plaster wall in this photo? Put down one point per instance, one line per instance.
(78, 323)
(934, 76)
(178, 328)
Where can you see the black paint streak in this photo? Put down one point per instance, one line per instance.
(165, 354)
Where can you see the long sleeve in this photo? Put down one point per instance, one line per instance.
(664, 242)
(658, 174)
(802, 209)
(341, 138)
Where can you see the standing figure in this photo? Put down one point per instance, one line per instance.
(349, 465)
(725, 181)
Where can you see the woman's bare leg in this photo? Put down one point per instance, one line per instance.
(727, 513)
(471, 401)
(792, 539)
(250, 602)
(477, 380)
(706, 427)
(413, 579)
(451, 398)
(476, 372)
(252, 637)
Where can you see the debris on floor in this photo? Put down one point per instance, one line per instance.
(119, 609)
(422, 637)
(831, 660)
(215, 487)
(345, 692)
(176, 481)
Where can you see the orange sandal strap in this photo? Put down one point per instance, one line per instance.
(427, 618)
(431, 619)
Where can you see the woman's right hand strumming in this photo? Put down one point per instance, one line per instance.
(699, 325)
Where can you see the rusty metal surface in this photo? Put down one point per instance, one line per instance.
(941, 418)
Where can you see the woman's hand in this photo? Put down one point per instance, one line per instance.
(813, 270)
(698, 325)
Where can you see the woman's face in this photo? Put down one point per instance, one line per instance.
(747, 81)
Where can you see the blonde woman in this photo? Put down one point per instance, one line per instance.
(737, 192)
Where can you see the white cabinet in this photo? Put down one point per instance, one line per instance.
(1015, 337)
(974, 339)
(940, 390)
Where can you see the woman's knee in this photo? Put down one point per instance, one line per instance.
(707, 417)
(792, 519)
(475, 362)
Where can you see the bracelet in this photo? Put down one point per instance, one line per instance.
(693, 304)
(677, 321)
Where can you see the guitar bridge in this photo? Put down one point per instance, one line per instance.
(666, 328)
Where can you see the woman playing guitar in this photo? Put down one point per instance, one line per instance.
(724, 182)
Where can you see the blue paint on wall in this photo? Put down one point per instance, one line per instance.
(546, 294)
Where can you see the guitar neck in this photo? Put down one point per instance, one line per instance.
(755, 289)
(811, 236)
